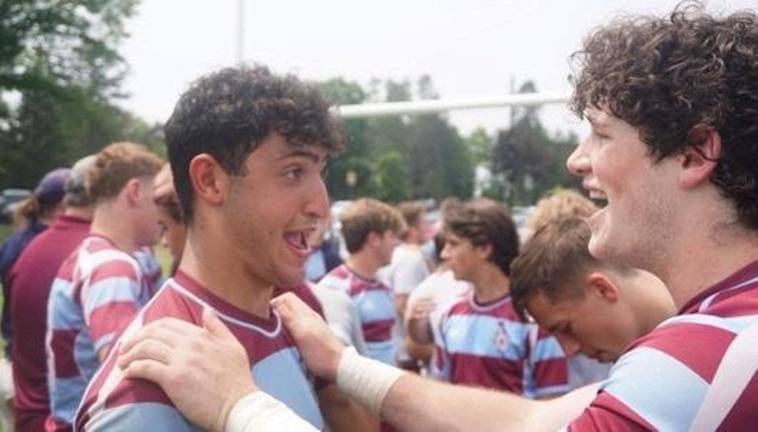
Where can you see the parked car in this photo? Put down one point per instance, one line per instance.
(10, 199)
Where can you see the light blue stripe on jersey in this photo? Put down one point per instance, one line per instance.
(85, 355)
(546, 348)
(141, 416)
(385, 351)
(278, 376)
(110, 290)
(475, 335)
(657, 387)
(68, 392)
(375, 305)
(61, 312)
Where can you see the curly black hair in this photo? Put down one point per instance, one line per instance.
(670, 76)
(228, 113)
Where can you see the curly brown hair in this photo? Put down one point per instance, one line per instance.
(671, 76)
(228, 113)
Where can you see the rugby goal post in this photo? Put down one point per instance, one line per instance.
(441, 105)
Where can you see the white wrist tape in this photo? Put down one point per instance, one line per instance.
(365, 380)
(259, 412)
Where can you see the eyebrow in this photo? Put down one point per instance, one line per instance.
(314, 157)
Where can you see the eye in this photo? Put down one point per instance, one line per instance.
(294, 173)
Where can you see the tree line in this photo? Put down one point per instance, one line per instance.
(61, 75)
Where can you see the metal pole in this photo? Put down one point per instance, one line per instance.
(441, 105)
(240, 31)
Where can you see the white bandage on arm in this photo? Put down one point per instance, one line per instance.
(365, 380)
(260, 412)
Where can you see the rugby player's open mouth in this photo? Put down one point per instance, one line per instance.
(298, 241)
(597, 196)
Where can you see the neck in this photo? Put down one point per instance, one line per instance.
(211, 260)
(650, 300)
(108, 221)
(706, 258)
(364, 264)
(490, 284)
(79, 212)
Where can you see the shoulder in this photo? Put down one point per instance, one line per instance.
(682, 353)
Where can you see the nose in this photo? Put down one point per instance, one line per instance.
(317, 205)
(445, 254)
(578, 162)
(569, 345)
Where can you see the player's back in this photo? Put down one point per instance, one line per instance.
(116, 404)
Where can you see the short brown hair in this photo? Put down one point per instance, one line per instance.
(565, 203)
(551, 262)
(412, 212)
(365, 216)
(485, 222)
(118, 163)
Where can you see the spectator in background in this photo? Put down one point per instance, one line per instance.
(101, 286)
(370, 229)
(483, 341)
(325, 255)
(30, 281)
(33, 216)
(406, 271)
(173, 228)
(426, 305)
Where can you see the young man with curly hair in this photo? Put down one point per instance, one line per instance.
(247, 150)
(673, 104)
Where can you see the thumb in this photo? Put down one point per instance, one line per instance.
(213, 324)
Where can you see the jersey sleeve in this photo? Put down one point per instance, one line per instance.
(110, 299)
(547, 366)
(143, 416)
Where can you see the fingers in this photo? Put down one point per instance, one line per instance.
(149, 370)
(167, 330)
(146, 348)
(289, 306)
(214, 325)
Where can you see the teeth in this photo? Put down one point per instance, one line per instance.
(594, 194)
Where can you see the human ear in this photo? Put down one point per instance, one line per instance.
(209, 180)
(699, 159)
(601, 286)
(484, 251)
(133, 191)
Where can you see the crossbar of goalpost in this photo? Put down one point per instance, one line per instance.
(442, 105)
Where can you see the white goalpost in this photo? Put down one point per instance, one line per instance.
(441, 105)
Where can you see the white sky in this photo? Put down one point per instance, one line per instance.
(471, 48)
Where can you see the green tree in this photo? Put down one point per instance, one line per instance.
(391, 178)
(529, 159)
(49, 44)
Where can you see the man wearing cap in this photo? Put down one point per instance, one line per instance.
(30, 280)
(34, 215)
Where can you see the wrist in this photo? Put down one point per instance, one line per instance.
(334, 363)
(233, 398)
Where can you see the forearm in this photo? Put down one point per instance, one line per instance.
(416, 404)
